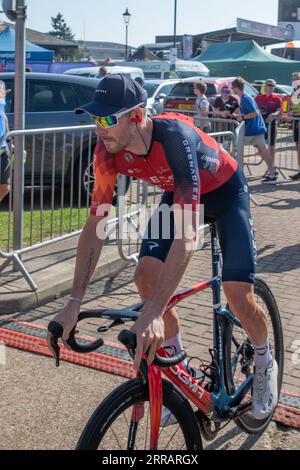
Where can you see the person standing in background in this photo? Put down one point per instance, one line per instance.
(225, 104)
(255, 128)
(270, 106)
(202, 106)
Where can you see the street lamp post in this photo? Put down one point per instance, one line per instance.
(173, 52)
(126, 17)
(175, 21)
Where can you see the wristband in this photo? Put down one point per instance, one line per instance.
(76, 300)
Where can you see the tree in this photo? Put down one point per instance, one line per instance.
(60, 28)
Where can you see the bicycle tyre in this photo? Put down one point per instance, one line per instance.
(247, 422)
(133, 392)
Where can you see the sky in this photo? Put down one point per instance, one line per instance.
(101, 20)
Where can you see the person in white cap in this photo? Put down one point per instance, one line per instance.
(270, 107)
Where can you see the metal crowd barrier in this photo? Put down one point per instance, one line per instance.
(228, 132)
(285, 147)
(47, 204)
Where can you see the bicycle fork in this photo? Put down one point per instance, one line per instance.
(154, 382)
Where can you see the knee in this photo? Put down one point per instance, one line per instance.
(243, 307)
(145, 279)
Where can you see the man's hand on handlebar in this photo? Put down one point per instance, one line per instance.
(149, 329)
(68, 318)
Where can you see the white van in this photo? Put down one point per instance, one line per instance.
(161, 69)
(93, 72)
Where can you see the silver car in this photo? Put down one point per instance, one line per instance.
(50, 100)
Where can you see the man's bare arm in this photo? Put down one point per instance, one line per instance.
(88, 254)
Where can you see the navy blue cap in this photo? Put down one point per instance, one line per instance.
(114, 94)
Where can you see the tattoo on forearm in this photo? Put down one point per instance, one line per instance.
(87, 269)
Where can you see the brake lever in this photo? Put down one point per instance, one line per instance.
(56, 330)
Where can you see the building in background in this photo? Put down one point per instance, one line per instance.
(263, 34)
(70, 50)
(289, 16)
(61, 48)
(100, 51)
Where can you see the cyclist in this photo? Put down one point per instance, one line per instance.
(169, 151)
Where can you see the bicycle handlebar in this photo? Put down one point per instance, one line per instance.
(129, 340)
(57, 330)
(125, 337)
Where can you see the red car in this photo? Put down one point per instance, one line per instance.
(182, 99)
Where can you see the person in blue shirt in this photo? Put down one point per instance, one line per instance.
(4, 150)
(255, 128)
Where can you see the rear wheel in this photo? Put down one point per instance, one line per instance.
(110, 427)
(239, 354)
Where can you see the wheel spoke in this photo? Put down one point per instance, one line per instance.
(171, 438)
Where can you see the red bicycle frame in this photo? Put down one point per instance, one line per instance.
(177, 375)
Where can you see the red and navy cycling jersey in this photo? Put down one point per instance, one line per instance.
(182, 159)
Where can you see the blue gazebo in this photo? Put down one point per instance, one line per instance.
(33, 52)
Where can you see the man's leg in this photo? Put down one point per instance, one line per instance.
(272, 153)
(266, 156)
(271, 147)
(298, 154)
(4, 174)
(237, 241)
(146, 274)
(4, 190)
(296, 176)
(240, 296)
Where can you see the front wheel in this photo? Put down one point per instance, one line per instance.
(239, 354)
(111, 427)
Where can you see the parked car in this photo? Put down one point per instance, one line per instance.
(158, 90)
(280, 90)
(93, 72)
(50, 101)
(182, 99)
(161, 69)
